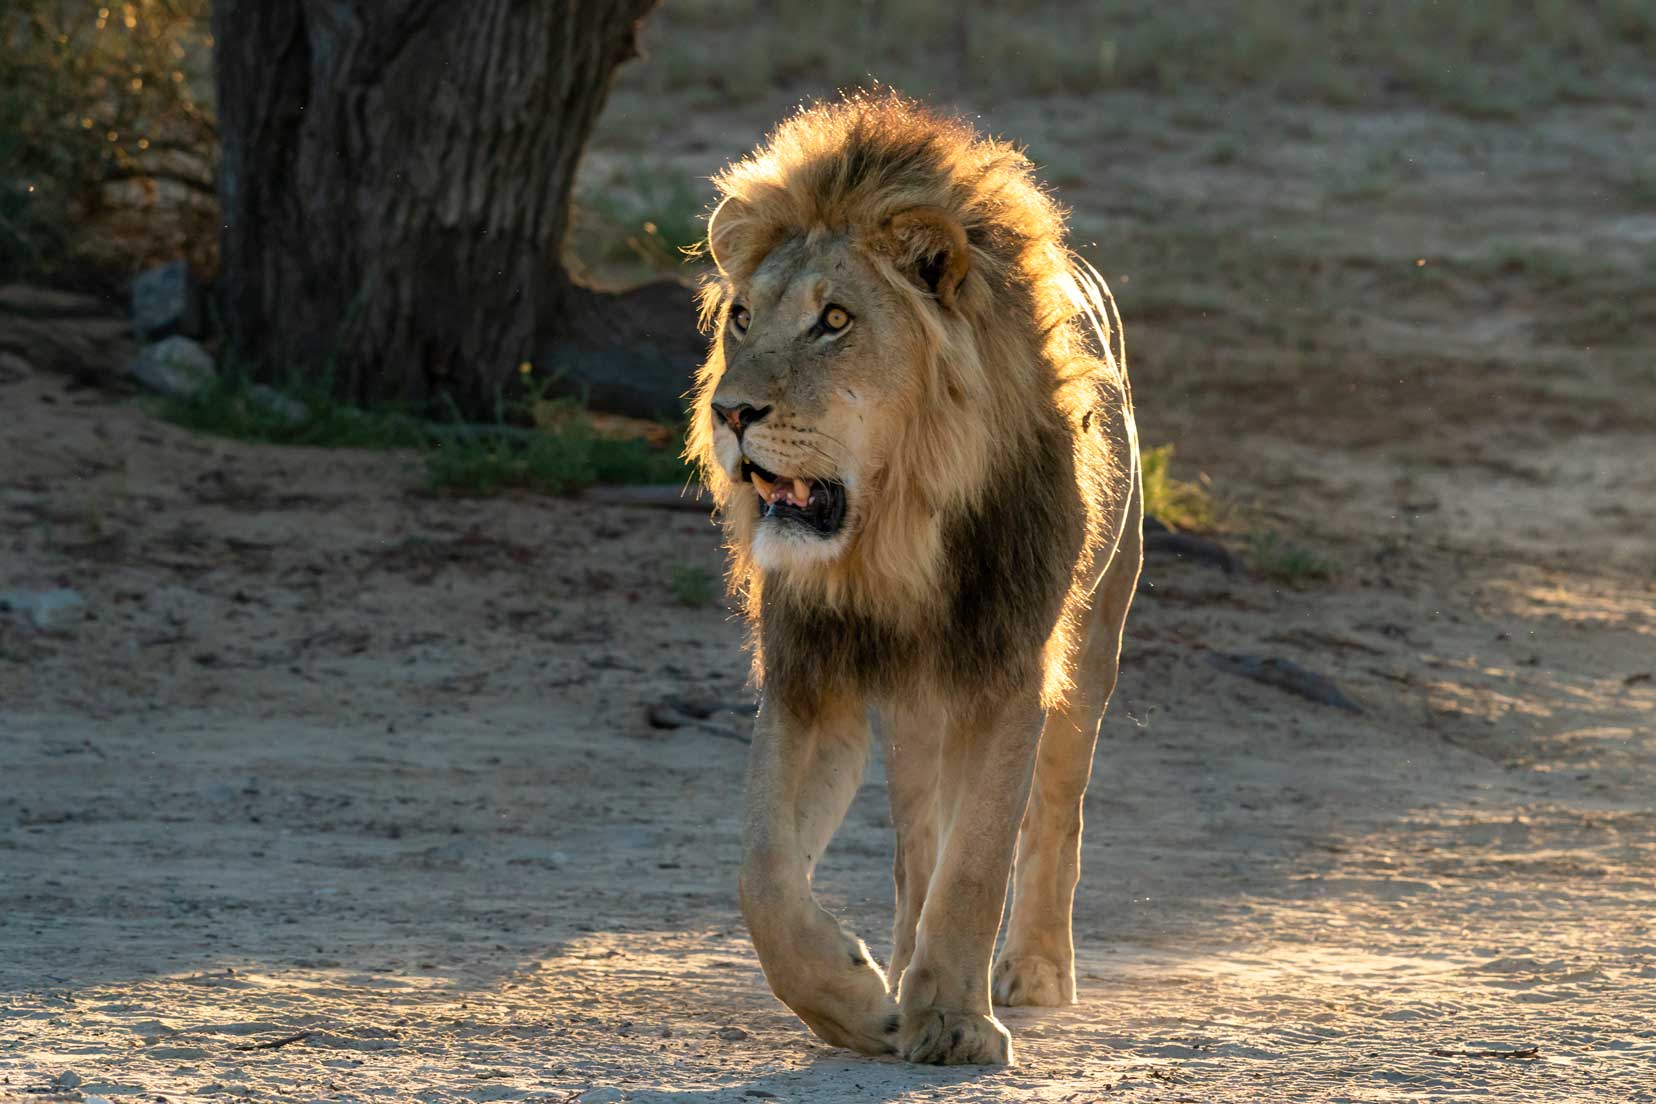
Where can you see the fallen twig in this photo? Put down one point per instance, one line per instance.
(691, 713)
(1286, 675)
(665, 496)
(1187, 546)
(276, 1044)
(1522, 1052)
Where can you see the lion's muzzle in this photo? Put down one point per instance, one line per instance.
(816, 506)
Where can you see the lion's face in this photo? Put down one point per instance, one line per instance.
(816, 384)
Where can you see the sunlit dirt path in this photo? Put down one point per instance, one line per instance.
(336, 790)
(376, 813)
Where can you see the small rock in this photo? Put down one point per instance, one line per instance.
(154, 1029)
(218, 792)
(291, 411)
(453, 853)
(532, 854)
(605, 1095)
(68, 1079)
(167, 300)
(732, 1034)
(175, 366)
(42, 606)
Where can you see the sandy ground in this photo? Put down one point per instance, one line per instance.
(337, 790)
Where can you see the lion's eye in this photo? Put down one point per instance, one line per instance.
(835, 318)
(739, 319)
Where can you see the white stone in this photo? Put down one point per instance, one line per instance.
(174, 366)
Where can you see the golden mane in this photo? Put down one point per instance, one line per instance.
(1021, 352)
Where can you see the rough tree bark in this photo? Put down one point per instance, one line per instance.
(395, 183)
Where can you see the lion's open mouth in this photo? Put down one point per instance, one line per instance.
(817, 505)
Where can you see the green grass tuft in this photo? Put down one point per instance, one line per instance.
(231, 407)
(554, 461)
(467, 459)
(1273, 557)
(695, 587)
(1174, 502)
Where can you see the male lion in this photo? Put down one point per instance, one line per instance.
(916, 423)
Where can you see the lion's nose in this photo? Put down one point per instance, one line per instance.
(739, 416)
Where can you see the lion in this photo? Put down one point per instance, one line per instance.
(915, 422)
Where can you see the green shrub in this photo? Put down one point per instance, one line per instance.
(102, 110)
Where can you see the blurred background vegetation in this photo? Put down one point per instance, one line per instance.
(1482, 57)
(108, 143)
(106, 136)
(1425, 193)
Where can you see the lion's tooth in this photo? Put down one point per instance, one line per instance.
(802, 492)
(762, 486)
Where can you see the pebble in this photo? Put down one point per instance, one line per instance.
(167, 300)
(175, 366)
(289, 410)
(453, 852)
(42, 606)
(13, 368)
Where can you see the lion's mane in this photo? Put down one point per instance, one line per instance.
(972, 578)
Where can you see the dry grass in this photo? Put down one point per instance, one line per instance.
(1479, 57)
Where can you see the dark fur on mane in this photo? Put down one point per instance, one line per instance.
(983, 599)
(1010, 559)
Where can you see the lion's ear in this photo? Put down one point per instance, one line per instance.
(930, 245)
(724, 228)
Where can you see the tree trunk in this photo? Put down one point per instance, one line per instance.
(395, 183)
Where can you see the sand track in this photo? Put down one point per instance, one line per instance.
(384, 794)
(336, 790)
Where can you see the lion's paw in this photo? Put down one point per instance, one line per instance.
(871, 1031)
(850, 1005)
(1032, 980)
(939, 1037)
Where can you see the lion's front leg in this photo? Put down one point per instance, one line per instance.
(914, 737)
(802, 775)
(1037, 962)
(984, 774)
